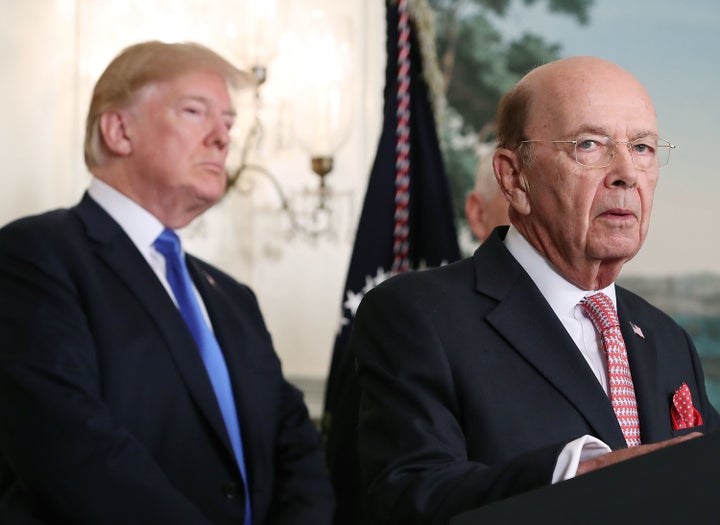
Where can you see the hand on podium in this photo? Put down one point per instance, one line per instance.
(616, 456)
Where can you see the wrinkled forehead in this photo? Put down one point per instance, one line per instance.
(573, 96)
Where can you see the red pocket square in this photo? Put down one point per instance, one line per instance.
(682, 411)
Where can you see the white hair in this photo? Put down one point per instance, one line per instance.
(485, 184)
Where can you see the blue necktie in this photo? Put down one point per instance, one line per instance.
(180, 282)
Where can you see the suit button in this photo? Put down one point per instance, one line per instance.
(232, 491)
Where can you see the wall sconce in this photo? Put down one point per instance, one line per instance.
(258, 34)
(322, 98)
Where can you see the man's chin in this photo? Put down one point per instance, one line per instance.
(618, 247)
(211, 194)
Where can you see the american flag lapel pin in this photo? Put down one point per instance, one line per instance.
(637, 330)
(210, 279)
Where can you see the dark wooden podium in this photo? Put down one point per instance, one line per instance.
(675, 485)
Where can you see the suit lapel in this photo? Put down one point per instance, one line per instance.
(527, 322)
(118, 252)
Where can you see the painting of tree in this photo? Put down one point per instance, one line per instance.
(478, 64)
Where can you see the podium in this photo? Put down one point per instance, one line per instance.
(675, 485)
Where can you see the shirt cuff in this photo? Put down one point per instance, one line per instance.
(580, 449)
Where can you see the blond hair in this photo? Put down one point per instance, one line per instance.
(140, 65)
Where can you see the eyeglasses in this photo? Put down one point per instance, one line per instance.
(597, 151)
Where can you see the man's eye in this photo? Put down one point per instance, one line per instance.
(587, 144)
(193, 110)
(643, 148)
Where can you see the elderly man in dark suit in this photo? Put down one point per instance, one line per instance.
(525, 364)
(139, 385)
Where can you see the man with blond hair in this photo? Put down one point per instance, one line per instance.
(138, 384)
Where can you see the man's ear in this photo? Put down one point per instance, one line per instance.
(511, 177)
(114, 133)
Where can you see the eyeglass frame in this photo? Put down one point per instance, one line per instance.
(615, 144)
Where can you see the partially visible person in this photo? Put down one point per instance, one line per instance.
(485, 206)
(138, 384)
(525, 364)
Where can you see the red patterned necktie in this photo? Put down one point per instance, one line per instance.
(601, 311)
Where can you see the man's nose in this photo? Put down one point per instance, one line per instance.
(623, 171)
(219, 135)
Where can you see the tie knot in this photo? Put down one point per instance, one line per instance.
(168, 243)
(601, 311)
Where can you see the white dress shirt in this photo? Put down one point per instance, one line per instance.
(564, 298)
(141, 226)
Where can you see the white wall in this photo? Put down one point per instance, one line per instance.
(51, 52)
(38, 128)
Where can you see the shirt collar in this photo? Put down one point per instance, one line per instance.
(562, 295)
(139, 224)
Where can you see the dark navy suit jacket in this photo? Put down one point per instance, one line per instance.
(107, 415)
(471, 386)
